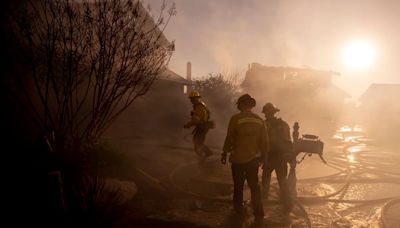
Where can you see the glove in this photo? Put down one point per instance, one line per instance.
(223, 159)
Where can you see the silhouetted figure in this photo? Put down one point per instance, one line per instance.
(200, 118)
(281, 150)
(247, 143)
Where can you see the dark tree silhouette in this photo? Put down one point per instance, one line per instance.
(88, 61)
(74, 66)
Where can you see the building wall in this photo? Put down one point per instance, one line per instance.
(379, 112)
(161, 112)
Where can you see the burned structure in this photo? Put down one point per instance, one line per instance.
(303, 94)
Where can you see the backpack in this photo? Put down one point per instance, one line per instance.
(208, 123)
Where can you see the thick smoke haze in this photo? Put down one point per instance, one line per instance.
(227, 35)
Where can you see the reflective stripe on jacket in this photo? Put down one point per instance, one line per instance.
(246, 138)
(200, 113)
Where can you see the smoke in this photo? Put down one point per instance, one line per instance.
(227, 35)
(223, 34)
(378, 112)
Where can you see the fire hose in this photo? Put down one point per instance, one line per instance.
(350, 177)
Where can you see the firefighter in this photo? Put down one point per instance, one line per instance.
(280, 153)
(200, 119)
(247, 143)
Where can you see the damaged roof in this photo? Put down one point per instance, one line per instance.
(170, 75)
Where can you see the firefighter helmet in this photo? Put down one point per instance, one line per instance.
(194, 94)
(270, 108)
(246, 98)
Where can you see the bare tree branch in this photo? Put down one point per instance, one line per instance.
(90, 60)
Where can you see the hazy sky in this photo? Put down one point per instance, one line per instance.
(226, 35)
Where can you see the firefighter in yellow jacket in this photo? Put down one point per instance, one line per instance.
(200, 118)
(247, 143)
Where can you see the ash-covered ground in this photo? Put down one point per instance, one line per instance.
(359, 186)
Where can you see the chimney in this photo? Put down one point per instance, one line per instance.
(189, 71)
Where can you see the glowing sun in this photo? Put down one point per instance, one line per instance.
(358, 55)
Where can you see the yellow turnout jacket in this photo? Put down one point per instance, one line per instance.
(247, 138)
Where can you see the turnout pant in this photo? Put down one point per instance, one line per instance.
(280, 167)
(199, 136)
(247, 171)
